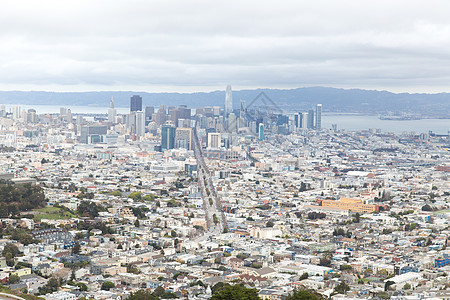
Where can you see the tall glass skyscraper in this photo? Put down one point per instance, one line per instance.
(318, 124)
(310, 121)
(228, 101)
(167, 137)
(261, 132)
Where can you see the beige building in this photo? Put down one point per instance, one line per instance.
(183, 138)
(353, 205)
(214, 140)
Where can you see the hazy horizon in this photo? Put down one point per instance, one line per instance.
(200, 46)
(218, 89)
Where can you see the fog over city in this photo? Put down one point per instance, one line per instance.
(190, 46)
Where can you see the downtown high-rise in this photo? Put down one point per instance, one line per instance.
(318, 123)
(228, 101)
(135, 103)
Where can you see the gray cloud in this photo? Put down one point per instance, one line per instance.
(189, 45)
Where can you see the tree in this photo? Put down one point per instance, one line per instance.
(215, 219)
(169, 295)
(82, 287)
(315, 215)
(107, 285)
(304, 276)
(22, 236)
(136, 223)
(270, 223)
(79, 236)
(50, 287)
(304, 295)
(342, 288)
(218, 286)
(142, 295)
(11, 249)
(173, 233)
(325, 261)
(159, 291)
(13, 278)
(339, 231)
(135, 196)
(235, 292)
(16, 199)
(388, 284)
(76, 249)
(407, 286)
(88, 209)
(345, 267)
(427, 207)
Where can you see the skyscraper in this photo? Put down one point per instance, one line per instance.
(243, 109)
(111, 112)
(228, 101)
(310, 123)
(183, 138)
(213, 140)
(318, 124)
(149, 111)
(231, 125)
(299, 120)
(92, 134)
(140, 123)
(261, 132)
(135, 103)
(167, 137)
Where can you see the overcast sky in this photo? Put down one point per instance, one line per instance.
(190, 45)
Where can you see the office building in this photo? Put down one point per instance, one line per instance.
(243, 109)
(214, 140)
(347, 204)
(216, 110)
(16, 112)
(135, 103)
(140, 123)
(160, 117)
(149, 111)
(318, 124)
(183, 138)
(167, 137)
(32, 116)
(261, 132)
(184, 112)
(310, 121)
(92, 134)
(232, 122)
(299, 120)
(228, 101)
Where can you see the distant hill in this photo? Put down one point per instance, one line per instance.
(333, 99)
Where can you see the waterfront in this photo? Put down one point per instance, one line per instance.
(360, 122)
(344, 121)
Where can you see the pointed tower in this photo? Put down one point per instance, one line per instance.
(111, 112)
(228, 101)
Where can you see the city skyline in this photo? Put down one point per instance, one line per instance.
(132, 174)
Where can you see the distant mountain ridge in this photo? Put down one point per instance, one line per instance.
(333, 99)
